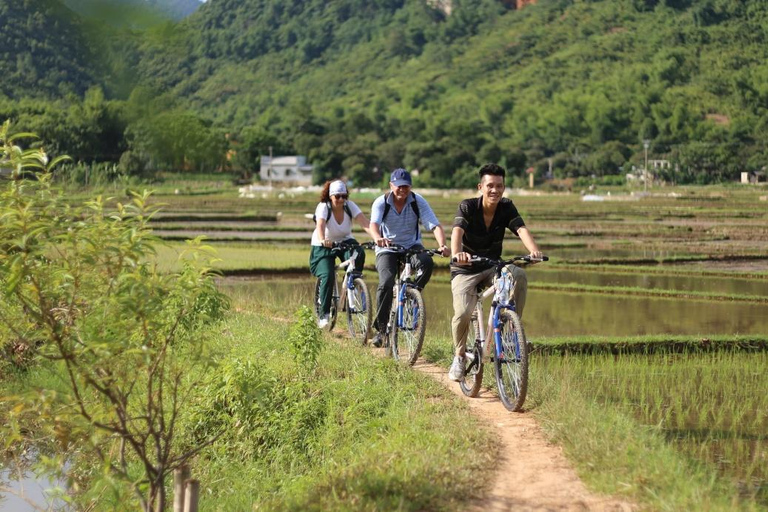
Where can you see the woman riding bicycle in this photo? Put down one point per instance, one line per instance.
(333, 218)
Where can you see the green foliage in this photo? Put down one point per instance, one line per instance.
(677, 431)
(134, 14)
(362, 434)
(362, 87)
(39, 57)
(177, 140)
(79, 284)
(306, 339)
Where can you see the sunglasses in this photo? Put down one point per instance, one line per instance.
(341, 196)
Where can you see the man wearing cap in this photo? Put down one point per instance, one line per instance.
(395, 218)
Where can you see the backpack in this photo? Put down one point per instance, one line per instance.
(330, 212)
(414, 205)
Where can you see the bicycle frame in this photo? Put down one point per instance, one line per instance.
(498, 305)
(349, 277)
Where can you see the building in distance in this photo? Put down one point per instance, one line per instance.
(286, 170)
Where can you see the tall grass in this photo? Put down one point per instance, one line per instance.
(360, 433)
(353, 433)
(700, 424)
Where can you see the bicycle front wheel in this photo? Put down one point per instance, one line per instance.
(359, 311)
(512, 365)
(409, 334)
(473, 366)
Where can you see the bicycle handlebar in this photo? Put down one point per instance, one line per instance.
(344, 245)
(526, 259)
(408, 252)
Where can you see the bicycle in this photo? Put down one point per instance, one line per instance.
(407, 317)
(510, 356)
(354, 298)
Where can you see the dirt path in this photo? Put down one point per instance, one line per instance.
(549, 482)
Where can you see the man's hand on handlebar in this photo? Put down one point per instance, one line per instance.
(462, 258)
(382, 242)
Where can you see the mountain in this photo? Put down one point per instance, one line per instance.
(176, 9)
(43, 50)
(133, 13)
(362, 86)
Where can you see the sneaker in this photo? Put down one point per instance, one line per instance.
(456, 373)
(323, 322)
(377, 340)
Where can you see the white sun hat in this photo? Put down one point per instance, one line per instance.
(337, 187)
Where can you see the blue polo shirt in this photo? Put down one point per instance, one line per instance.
(401, 227)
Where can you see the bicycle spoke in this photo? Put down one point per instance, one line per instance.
(512, 365)
(410, 333)
(358, 311)
(473, 372)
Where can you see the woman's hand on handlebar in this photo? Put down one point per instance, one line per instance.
(327, 243)
(382, 242)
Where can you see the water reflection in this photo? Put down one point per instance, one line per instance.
(726, 285)
(554, 313)
(27, 493)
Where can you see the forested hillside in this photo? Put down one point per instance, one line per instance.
(364, 86)
(43, 50)
(133, 13)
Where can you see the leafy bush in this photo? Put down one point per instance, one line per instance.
(79, 283)
(306, 339)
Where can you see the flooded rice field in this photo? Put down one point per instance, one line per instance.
(556, 313)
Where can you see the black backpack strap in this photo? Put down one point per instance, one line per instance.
(415, 206)
(387, 206)
(330, 212)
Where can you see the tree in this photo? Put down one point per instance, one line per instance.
(125, 339)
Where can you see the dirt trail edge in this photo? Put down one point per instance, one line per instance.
(532, 473)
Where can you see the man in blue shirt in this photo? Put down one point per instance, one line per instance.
(395, 218)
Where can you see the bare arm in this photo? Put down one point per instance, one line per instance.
(440, 237)
(375, 231)
(363, 222)
(457, 248)
(321, 233)
(530, 244)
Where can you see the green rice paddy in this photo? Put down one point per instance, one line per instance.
(699, 417)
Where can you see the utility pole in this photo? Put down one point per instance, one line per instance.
(646, 143)
(269, 171)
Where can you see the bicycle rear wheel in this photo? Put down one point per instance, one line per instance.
(409, 335)
(473, 366)
(359, 311)
(512, 365)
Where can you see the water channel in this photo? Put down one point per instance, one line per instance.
(559, 313)
(27, 493)
(691, 283)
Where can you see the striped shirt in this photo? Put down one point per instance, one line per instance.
(402, 227)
